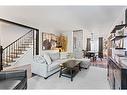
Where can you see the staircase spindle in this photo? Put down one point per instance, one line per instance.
(12, 55)
(5, 60)
(1, 58)
(9, 53)
(18, 46)
(14, 49)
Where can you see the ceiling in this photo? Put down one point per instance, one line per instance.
(96, 19)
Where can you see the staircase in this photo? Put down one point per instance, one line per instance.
(12, 52)
(17, 48)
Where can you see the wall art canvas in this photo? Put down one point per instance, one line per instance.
(49, 41)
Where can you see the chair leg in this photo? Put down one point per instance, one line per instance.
(60, 72)
(101, 59)
(71, 75)
(45, 77)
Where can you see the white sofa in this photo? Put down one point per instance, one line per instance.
(48, 64)
(41, 66)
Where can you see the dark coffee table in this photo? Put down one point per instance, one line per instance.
(70, 68)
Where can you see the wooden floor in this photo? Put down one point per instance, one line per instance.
(100, 63)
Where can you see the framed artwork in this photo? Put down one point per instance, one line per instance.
(49, 41)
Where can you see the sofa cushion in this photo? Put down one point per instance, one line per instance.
(9, 84)
(54, 56)
(39, 59)
(63, 55)
(85, 62)
(47, 59)
(55, 64)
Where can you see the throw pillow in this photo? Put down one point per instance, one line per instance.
(39, 59)
(47, 58)
(54, 56)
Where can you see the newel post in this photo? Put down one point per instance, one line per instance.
(1, 51)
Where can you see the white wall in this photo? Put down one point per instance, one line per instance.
(9, 33)
(117, 21)
(95, 43)
(69, 35)
(26, 58)
(86, 34)
(53, 19)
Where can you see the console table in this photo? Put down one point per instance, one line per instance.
(117, 74)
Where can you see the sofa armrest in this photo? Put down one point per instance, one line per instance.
(39, 68)
(14, 74)
(16, 79)
(36, 64)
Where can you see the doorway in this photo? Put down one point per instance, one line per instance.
(77, 43)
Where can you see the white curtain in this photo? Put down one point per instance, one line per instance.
(95, 44)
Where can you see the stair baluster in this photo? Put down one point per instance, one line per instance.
(12, 51)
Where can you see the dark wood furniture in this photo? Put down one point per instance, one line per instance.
(118, 34)
(70, 68)
(118, 38)
(117, 74)
(92, 55)
(16, 79)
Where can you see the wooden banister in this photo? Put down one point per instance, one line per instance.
(18, 24)
(18, 39)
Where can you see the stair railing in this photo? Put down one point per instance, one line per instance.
(1, 51)
(12, 51)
